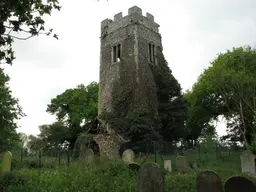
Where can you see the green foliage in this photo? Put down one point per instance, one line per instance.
(172, 108)
(54, 135)
(83, 141)
(143, 125)
(23, 17)
(97, 178)
(34, 143)
(77, 179)
(10, 111)
(74, 107)
(226, 88)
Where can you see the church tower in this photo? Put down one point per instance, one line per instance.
(129, 45)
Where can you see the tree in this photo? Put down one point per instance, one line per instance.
(34, 144)
(75, 107)
(10, 111)
(54, 135)
(23, 17)
(228, 88)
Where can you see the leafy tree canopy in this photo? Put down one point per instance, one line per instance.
(21, 20)
(226, 88)
(10, 111)
(75, 107)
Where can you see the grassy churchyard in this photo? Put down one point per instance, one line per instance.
(100, 174)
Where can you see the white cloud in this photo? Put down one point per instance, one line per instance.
(193, 32)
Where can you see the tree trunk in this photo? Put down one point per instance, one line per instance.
(244, 126)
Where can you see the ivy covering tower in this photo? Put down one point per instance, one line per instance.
(131, 61)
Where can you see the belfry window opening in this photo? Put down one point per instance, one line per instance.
(116, 53)
(151, 49)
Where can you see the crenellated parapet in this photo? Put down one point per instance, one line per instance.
(134, 17)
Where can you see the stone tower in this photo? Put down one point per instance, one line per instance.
(134, 42)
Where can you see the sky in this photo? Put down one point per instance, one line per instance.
(193, 33)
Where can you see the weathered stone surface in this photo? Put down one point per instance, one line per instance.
(239, 184)
(128, 156)
(208, 181)
(247, 162)
(168, 165)
(134, 166)
(109, 145)
(182, 164)
(6, 162)
(150, 178)
(89, 156)
(133, 32)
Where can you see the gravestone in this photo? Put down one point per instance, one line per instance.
(208, 181)
(89, 156)
(247, 162)
(128, 156)
(168, 165)
(182, 164)
(6, 162)
(134, 166)
(150, 178)
(239, 184)
(194, 165)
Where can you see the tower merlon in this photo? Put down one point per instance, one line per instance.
(134, 17)
(135, 10)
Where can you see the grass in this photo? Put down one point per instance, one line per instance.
(114, 176)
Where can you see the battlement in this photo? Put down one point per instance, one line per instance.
(134, 17)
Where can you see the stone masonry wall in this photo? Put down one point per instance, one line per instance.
(134, 32)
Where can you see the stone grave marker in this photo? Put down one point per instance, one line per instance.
(208, 181)
(247, 162)
(194, 165)
(134, 166)
(239, 184)
(6, 162)
(182, 164)
(168, 165)
(89, 156)
(128, 156)
(150, 178)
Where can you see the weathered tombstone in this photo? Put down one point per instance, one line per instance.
(150, 178)
(134, 166)
(194, 165)
(208, 181)
(168, 165)
(182, 164)
(6, 162)
(239, 184)
(247, 162)
(89, 156)
(128, 156)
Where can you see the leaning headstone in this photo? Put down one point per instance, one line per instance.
(168, 165)
(208, 181)
(128, 156)
(6, 162)
(89, 156)
(134, 166)
(247, 162)
(239, 184)
(150, 178)
(182, 164)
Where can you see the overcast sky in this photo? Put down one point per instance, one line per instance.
(193, 33)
